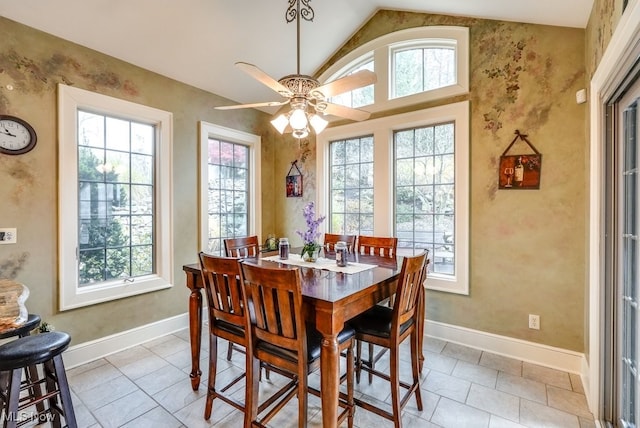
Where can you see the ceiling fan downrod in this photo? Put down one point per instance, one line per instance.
(294, 11)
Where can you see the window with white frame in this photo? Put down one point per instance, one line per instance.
(115, 198)
(420, 159)
(424, 176)
(421, 66)
(351, 186)
(412, 66)
(229, 186)
(421, 185)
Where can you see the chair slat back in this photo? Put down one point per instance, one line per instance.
(221, 279)
(247, 246)
(330, 240)
(378, 245)
(276, 296)
(410, 285)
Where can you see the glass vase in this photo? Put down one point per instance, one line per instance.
(311, 256)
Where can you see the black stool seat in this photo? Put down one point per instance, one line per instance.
(17, 395)
(23, 330)
(32, 349)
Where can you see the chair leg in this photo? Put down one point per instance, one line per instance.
(302, 398)
(358, 360)
(229, 351)
(251, 390)
(350, 401)
(421, 309)
(415, 366)
(372, 360)
(211, 383)
(395, 387)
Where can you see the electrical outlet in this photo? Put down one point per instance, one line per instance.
(534, 321)
(8, 235)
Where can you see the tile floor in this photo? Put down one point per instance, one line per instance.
(149, 386)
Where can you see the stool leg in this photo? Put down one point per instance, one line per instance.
(13, 391)
(31, 374)
(4, 392)
(65, 395)
(51, 383)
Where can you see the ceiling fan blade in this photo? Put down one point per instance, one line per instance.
(344, 84)
(254, 105)
(346, 112)
(264, 78)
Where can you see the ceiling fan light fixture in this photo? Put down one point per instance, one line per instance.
(301, 133)
(280, 123)
(306, 97)
(298, 119)
(318, 123)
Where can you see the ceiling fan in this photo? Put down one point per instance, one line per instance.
(306, 99)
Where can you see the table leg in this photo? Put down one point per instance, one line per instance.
(330, 379)
(195, 330)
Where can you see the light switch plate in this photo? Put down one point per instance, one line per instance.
(8, 235)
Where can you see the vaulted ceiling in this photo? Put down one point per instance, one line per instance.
(198, 41)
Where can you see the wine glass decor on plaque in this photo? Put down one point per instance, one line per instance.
(520, 171)
(294, 181)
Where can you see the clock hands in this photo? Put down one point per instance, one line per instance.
(6, 131)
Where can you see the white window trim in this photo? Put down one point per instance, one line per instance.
(382, 130)
(209, 130)
(70, 99)
(381, 48)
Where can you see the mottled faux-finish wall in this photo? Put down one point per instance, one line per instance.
(603, 21)
(32, 63)
(527, 249)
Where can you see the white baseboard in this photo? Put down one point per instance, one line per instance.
(544, 355)
(557, 358)
(86, 352)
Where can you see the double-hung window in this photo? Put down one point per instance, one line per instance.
(115, 198)
(229, 188)
(351, 185)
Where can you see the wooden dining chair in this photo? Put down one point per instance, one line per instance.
(246, 246)
(330, 240)
(228, 319)
(388, 328)
(282, 339)
(384, 246)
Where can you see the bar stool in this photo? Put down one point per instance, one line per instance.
(15, 356)
(24, 329)
(30, 372)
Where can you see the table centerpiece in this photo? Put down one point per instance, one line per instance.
(311, 247)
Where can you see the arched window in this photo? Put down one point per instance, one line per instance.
(422, 66)
(413, 66)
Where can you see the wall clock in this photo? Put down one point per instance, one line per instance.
(16, 136)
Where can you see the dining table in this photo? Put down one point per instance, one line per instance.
(331, 297)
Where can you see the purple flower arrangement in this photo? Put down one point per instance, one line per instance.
(311, 235)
